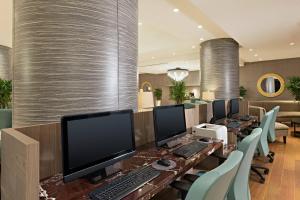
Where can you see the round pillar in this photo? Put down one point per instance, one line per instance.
(72, 57)
(219, 60)
(5, 62)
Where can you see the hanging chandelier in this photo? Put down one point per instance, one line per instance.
(178, 74)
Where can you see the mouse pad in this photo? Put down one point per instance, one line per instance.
(163, 168)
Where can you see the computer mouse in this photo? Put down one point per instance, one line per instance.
(164, 162)
(204, 140)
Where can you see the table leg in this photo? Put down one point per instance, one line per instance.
(296, 133)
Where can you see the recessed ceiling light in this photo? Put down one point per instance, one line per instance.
(193, 47)
(292, 43)
(152, 57)
(255, 55)
(176, 10)
(173, 53)
(201, 39)
(200, 26)
(140, 23)
(250, 49)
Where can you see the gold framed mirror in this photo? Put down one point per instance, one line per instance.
(270, 85)
(147, 87)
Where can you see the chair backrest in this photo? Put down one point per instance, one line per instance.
(271, 134)
(240, 187)
(263, 146)
(214, 184)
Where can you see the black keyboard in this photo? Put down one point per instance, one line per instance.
(233, 124)
(189, 150)
(124, 185)
(245, 118)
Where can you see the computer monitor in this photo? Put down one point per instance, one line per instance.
(219, 111)
(91, 142)
(234, 107)
(169, 123)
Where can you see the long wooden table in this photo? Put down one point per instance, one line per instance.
(145, 155)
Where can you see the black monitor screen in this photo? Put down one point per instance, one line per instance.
(169, 121)
(219, 111)
(92, 139)
(234, 106)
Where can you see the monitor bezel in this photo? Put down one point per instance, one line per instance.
(72, 174)
(160, 143)
(225, 114)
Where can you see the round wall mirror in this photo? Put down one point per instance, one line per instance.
(146, 87)
(270, 85)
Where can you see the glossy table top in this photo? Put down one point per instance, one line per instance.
(145, 155)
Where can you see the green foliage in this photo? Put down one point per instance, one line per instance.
(243, 91)
(158, 93)
(293, 85)
(178, 91)
(5, 93)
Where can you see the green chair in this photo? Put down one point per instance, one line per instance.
(263, 146)
(271, 133)
(214, 184)
(240, 187)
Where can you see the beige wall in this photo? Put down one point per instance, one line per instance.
(164, 82)
(251, 72)
(6, 23)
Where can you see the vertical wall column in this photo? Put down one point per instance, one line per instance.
(220, 67)
(5, 63)
(73, 56)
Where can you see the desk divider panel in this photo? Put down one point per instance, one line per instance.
(19, 166)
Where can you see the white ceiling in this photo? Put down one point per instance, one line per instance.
(266, 26)
(166, 37)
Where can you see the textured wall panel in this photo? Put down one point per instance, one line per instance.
(220, 67)
(128, 34)
(5, 63)
(67, 58)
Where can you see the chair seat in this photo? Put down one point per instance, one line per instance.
(280, 126)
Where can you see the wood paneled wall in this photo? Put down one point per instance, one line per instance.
(220, 67)
(5, 63)
(73, 56)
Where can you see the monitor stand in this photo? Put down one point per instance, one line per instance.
(172, 144)
(96, 177)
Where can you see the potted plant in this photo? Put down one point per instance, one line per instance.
(243, 92)
(158, 95)
(178, 91)
(5, 104)
(293, 85)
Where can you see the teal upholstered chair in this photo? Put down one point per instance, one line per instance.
(271, 133)
(263, 146)
(240, 186)
(214, 184)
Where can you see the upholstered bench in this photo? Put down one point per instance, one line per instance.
(281, 130)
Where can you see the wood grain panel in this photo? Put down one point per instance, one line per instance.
(67, 58)
(5, 63)
(19, 166)
(220, 67)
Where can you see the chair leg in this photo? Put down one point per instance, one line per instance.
(262, 178)
(284, 139)
(271, 159)
(266, 170)
(272, 153)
